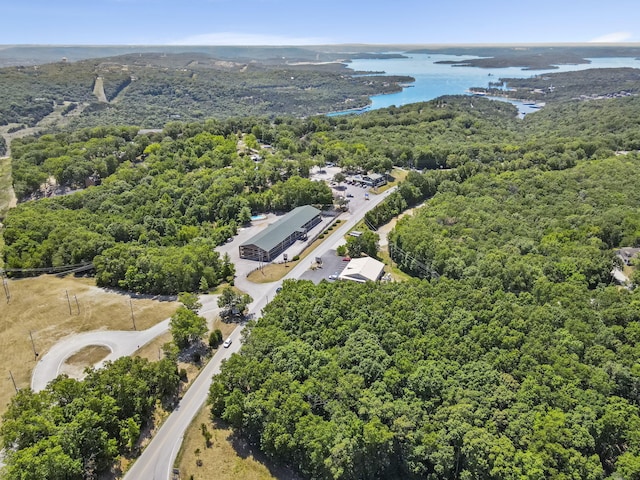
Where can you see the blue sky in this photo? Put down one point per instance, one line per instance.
(300, 22)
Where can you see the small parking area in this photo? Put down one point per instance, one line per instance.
(331, 264)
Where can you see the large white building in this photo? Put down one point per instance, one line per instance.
(363, 270)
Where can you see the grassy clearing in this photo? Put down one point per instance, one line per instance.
(398, 176)
(39, 306)
(88, 356)
(396, 274)
(227, 457)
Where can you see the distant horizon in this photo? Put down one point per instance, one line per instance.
(335, 22)
(347, 44)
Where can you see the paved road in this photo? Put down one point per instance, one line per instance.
(156, 461)
(121, 343)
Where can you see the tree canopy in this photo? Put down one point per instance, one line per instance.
(76, 429)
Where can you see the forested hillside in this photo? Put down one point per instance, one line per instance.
(517, 229)
(152, 224)
(567, 86)
(76, 429)
(152, 89)
(519, 362)
(518, 359)
(164, 196)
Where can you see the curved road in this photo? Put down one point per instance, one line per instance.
(156, 461)
(121, 343)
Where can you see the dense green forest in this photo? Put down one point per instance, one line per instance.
(152, 89)
(164, 198)
(76, 429)
(166, 202)
(517, 229)
(519, 362)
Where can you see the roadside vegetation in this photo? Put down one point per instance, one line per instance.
(212, 449)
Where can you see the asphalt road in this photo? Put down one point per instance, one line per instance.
(121, 343)
(156, 462)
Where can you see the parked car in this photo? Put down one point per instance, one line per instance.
(350, 195)
(333, 276)
(227, 343)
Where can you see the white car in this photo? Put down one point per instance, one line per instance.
(227, 343)
(333, 276)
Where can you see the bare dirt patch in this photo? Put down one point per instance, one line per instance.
(79, 361)
(98, 90)
(39, 308)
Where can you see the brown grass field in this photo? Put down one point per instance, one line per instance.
(39, 306)
(227, 458)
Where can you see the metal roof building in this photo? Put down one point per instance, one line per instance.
(277, 237)
(362, 270)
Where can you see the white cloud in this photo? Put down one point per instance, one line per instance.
(615, 37)
(236, 38)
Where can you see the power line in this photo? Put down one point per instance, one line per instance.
(61, 268)
(424, 270)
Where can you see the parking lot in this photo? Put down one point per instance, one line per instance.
(354, 194)
(331, 264)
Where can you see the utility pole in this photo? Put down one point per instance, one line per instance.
(133, 320)
(68, 301)
(5, 284)
(33, 345)
(14, 381)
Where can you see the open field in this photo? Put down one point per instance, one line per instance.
(226, 458)
(39, 307)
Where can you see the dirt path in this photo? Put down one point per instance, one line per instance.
(98, 90)
(384, 230)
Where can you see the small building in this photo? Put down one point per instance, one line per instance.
(374, 180)
(627, 254)
(361, 270)
(277, 237)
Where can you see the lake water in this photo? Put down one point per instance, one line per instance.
(434, 80)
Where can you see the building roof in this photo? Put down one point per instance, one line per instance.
(374, 176)
(362, 270)
(628, 252)
(285, 226)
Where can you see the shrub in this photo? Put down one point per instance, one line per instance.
(215, 338)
